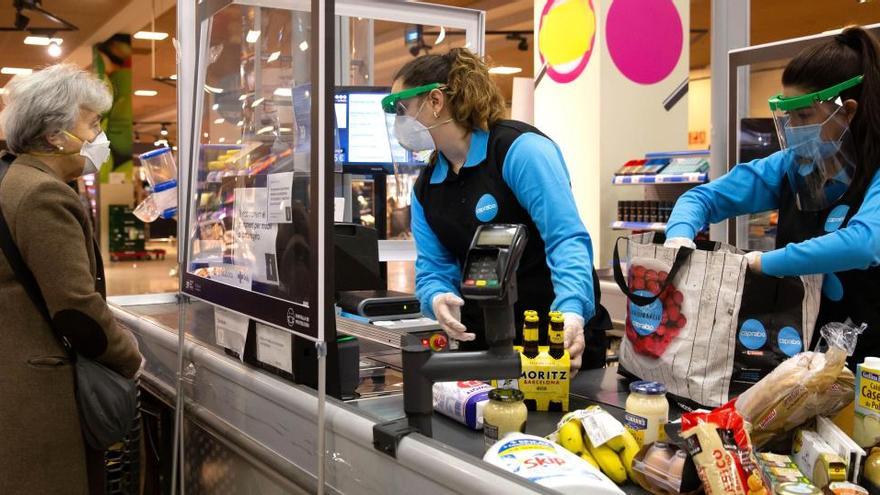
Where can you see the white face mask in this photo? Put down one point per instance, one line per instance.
(95, 152)
(412, 134)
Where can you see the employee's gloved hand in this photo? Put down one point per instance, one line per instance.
(574, 339)
(677, 242)
(754, 259)
(447, 309)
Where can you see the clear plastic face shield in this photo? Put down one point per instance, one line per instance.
(814, 129)
(410, 140)
(402, 112)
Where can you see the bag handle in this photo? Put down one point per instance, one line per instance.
(680, 258)
(20, 268)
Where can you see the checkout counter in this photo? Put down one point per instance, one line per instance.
(249, 431)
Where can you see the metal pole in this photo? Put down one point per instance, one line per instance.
(729, 30)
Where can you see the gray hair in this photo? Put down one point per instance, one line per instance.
(49, 101)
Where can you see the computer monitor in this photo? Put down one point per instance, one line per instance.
(362, 138)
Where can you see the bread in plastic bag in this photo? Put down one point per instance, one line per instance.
(807, 385)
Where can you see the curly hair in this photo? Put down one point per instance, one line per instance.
(475, 101)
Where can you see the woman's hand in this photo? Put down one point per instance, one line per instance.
(447, 309)
(574, 339)
(754, 259)
(676, 242)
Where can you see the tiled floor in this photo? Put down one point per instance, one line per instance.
(125, 278)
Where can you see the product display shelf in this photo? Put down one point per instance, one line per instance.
(694, 178)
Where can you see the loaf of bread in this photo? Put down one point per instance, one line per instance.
(804, 386)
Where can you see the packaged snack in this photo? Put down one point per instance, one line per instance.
(816, 459)
(843, 445)
(715, 465)
(804, 386)
(778, 469)
(735, 439)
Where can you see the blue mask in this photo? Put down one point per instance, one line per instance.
(805, 141)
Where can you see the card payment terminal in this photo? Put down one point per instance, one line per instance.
(492, 260)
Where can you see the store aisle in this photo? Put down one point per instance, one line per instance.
(125, 278)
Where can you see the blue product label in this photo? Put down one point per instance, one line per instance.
(752, 334)
(832, 288)
(790, 341)
(487, 208)
(470, 408)
(645, 319)
(835, 218)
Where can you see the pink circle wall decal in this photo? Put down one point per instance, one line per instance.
(567, 38)
(645, 38)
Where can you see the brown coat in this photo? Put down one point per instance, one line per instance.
(41, 445)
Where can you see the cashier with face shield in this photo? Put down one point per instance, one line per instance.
(484, 169)
(824, 183)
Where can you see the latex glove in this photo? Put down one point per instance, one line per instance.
(574, 338)
(677, 242)
(754, 259)
(447, 309)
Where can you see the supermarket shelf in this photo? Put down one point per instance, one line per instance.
(642, 226)
(655, 226)
(695, 178)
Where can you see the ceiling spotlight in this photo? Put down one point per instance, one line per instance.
(523, 44)
(304, 46)
(54, 50)
(164, 130)
(150, 35)
(252, 36)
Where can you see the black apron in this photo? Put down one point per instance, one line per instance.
(851, 294)
(451, 211)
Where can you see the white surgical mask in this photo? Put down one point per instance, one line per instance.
(95, 152)
(412, 134)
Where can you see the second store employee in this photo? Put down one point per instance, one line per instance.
(824, 183)
(489, 170)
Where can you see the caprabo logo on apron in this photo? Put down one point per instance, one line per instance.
(487, 208)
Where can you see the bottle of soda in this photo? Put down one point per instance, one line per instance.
(557, 335)
(530, 335)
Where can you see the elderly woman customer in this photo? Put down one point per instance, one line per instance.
(52, 121)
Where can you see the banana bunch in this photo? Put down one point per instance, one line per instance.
(614, 457)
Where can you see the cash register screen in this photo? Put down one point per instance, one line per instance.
(496, 237)
(363, 142)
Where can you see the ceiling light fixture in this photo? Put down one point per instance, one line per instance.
(212, 89)
(146, 92)
(15, 71)
(257, 102)
(219, 121)
(273, 57)
(304, 46)
(54, 50)
(284, 92)
(164, 130)
(221, 140)
(41, 40)
(150, 35)
(505, 71)
(215, 106)
(173, 77)
(252, 36)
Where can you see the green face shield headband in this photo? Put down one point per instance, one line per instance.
(783, 104)
(389, 103)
